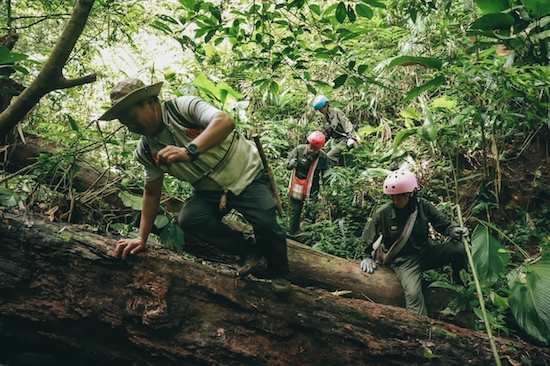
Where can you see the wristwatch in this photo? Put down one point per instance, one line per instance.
(192, 151)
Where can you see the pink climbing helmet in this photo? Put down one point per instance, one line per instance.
(400, 181)
(316, 139)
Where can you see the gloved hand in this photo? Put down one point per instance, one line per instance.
(368, 265)
(351, 142)
(292, 164)
(458, 232)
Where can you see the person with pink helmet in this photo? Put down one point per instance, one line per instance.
(398, 236)
(308, 163)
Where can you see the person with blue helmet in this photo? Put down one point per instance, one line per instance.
(336, 126)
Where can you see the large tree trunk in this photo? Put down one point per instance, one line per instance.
(65, 296)
(309, 267)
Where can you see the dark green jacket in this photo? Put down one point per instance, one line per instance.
(385, 221)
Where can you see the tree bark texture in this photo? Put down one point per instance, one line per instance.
(62, 288)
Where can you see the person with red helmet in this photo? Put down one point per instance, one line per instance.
(398, 236)
(308, 163)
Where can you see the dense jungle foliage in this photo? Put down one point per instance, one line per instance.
(456, 91)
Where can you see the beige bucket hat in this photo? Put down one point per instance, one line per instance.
(128, 92)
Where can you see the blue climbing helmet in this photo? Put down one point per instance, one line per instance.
(319, 102)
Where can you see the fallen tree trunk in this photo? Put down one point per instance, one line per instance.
(64, 294)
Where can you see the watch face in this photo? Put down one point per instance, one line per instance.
(192, 151)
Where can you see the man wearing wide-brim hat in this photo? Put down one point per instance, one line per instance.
(195, 142)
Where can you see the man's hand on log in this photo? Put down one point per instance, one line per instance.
(129, 246)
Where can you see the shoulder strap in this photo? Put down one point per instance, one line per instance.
(399, 242)
(179, 118)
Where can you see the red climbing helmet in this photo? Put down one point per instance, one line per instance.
(400, 181)
(316, 139)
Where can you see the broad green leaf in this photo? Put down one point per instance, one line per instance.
(428, 127)
(341, 12)
(73, 123)
(8, 198)
(410, 112)
(445, 285)
(161, 221)
(429, 62)
(537, 8)
(6, 56)
(202, 82)
(130, 200)
(172, 236)
(189, 4)
(340, 80)
(402, 136)
(444, 103)
(489, 256)
(274, 87)
(315, 8)
(530, 297)
(364, 11)
(432, 84)
(492, 6)
(222, 85)
(490, 22)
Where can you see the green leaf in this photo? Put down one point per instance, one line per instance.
(315, 8)
(341, 12)
(463, 114)
(364, 11)
(410, 112)
(8, 198)
(492, 6)
(428, 353)
(490, 22)
(351, 14)
(537, 8)
(72, 122)
(402, 136)
(375, 4)
(340, 80)
(130, 200)
(428, 127)
(161, 221)
(489, 256)
(530, 297)
(189, 4)
(207, 86)
(444, 103)
(7, 57)
(172, 236)
(429, 62)
(375, 172)
(367, 130)
(432, 84)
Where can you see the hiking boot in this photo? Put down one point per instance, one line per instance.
(280, 285)
(250, 262)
